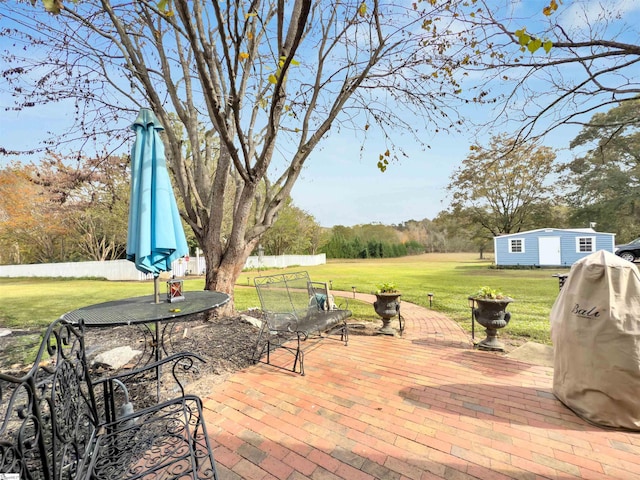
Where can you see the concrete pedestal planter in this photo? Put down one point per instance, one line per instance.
(387, 305)
(492, 315)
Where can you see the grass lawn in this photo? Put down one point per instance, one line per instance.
(30, 302)
(451, 278)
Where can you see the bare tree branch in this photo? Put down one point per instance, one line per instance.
(246, 91)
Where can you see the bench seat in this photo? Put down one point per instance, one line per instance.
(314, 322)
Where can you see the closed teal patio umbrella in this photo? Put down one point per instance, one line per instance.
(155, 236)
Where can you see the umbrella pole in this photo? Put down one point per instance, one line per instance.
(156, 288)
(156, 299)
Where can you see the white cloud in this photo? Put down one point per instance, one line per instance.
(582, 13)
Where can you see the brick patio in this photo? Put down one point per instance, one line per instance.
(421, 406)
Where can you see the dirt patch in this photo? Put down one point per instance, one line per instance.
(18, 349)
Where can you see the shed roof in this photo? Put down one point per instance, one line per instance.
(576, 230)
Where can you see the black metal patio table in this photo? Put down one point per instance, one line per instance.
(142, 311)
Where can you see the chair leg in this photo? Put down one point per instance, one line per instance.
(258, 352)
(299, 358)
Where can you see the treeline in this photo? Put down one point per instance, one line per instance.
(386, 241)
(65, 210)
(297, 232)
(341, 248)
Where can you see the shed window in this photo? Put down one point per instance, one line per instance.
(585, 244)
(516, 245)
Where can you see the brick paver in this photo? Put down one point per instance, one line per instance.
(421, 406)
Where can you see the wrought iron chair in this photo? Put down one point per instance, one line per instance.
(56, 423)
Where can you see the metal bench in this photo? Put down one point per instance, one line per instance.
(59, 424)
(294, 309)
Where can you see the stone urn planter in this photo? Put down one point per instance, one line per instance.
(490, 312)
(387, 305)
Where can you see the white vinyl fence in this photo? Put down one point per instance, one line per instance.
(126, 270)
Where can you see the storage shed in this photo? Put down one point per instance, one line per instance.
(553, 247)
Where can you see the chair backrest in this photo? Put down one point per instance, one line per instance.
(48, 416)
(286, 293)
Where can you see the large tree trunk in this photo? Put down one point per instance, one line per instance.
(222, 273)
(225, 260)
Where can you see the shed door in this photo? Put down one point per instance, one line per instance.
(549, 251)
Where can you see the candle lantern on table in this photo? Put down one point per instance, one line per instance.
(174, 291)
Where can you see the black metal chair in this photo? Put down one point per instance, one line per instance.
(59, 424)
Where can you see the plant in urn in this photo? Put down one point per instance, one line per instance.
(387, 305)
(490, 312)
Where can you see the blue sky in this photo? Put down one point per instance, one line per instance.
(341, 184)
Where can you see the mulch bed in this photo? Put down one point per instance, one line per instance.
(226, 344)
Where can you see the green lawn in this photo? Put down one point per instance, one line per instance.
(450, 277)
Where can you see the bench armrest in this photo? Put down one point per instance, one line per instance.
(342, 306)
